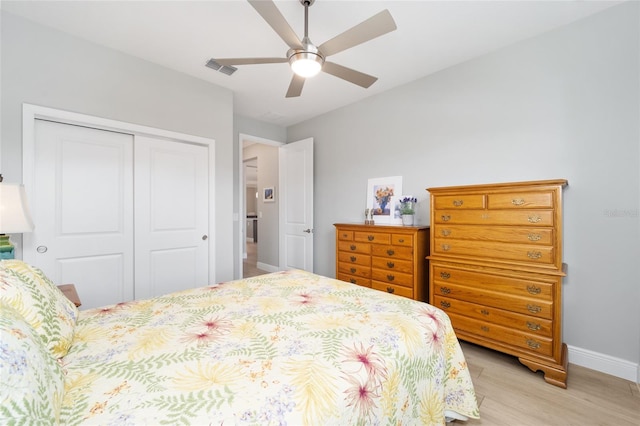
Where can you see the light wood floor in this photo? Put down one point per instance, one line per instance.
(249, 265)
(511, 394)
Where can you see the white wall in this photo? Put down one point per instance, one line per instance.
(561, 105)
(46, 67)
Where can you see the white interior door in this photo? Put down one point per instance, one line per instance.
(296, 205)
(171, 220)
(83, 211)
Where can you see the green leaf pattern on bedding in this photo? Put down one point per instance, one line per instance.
(284, 348)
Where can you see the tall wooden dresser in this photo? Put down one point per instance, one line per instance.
(496, 269)
(389, 258)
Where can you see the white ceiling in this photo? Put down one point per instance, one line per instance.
(183, 35)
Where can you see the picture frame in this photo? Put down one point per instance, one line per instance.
(269, 194)
(382, 197)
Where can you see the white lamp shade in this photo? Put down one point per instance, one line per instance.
(14, 210)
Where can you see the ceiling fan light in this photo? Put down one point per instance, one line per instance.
(306, 64)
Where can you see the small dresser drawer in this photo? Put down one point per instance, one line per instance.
(364, 282)
(372, 237)
(505, 234)
(494, 217)
(393, 289)
(399, 265)
(345, 235)
(539, 344)
(467, 201)
(354, 258)
(537, 290)
(521, 200)
(534, 307)
(402, 240)
(353, 247)
(354, 269)
(392, 277)
(496, 251)
(537, 326)
(392, 252)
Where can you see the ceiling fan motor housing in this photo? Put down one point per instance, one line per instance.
(307, 61)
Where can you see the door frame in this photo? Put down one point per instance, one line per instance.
(32, 112)
(240, 217)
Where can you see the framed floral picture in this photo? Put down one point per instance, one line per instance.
(269, 194)
(382, 198)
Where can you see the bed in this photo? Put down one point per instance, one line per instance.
(286, 348)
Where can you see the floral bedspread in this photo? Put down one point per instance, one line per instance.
(288, 348)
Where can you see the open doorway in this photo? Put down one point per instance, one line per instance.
(251, 194)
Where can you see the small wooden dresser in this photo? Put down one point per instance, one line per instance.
(496, 269)
(389, 258)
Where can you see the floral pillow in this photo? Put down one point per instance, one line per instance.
(40, 302)
(32, 385)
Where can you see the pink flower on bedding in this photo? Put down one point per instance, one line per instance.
(368, 359)
(217, 324)
(361, 396)
(200, 338)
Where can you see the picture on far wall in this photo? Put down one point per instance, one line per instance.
(269, 194)
(382, 198)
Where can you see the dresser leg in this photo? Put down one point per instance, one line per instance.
(553, 374)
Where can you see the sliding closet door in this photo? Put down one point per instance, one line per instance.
(83, 211)
(171, 216)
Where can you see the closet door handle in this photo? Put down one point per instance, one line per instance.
(204, 237)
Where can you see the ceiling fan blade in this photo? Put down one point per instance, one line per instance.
(250, 61)
(348, 74)
(373, 27)
(295, 87)
(270, 13)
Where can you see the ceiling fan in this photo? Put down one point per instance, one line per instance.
(307, 59)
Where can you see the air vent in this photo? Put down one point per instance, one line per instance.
(224, 69)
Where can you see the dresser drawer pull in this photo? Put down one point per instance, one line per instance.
(533, 344)
(390, 290)
(352, 247)
(390, 264)
(353, 270)
(370, 237)
(445, 217)
(533, 326)
(534, 237)
(485, 328)
(445, 275)
(533, 289)
(445, 232)
(484, 312)
(353, 258)
(352, 280)
(534, 254)
(446, 247)
(401, 240)
(391, 252)
(445, 290)
(534, 309)
(458, 203)
(517, 201)
(345, 235)
(444, 304)
(534, 218)
(390, 277)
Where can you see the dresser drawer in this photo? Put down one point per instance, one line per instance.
(392, 252)
(364, 282)
(354, 258)
(363, 271)
(345, 235)
(527, 306)
(372, 237)
(393, 289)
(521, 200)
(353, 247)
(398, 265)
(494, 251)
(402, 240)
(392, 277)
(538, 344)
(536, 290)
(529, 324)
(506, 234)
(466, 201)
(494, 217)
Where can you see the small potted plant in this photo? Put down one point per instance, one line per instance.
(408, 210)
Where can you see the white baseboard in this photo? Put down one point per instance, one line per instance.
(604, 363)
(268, 268)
